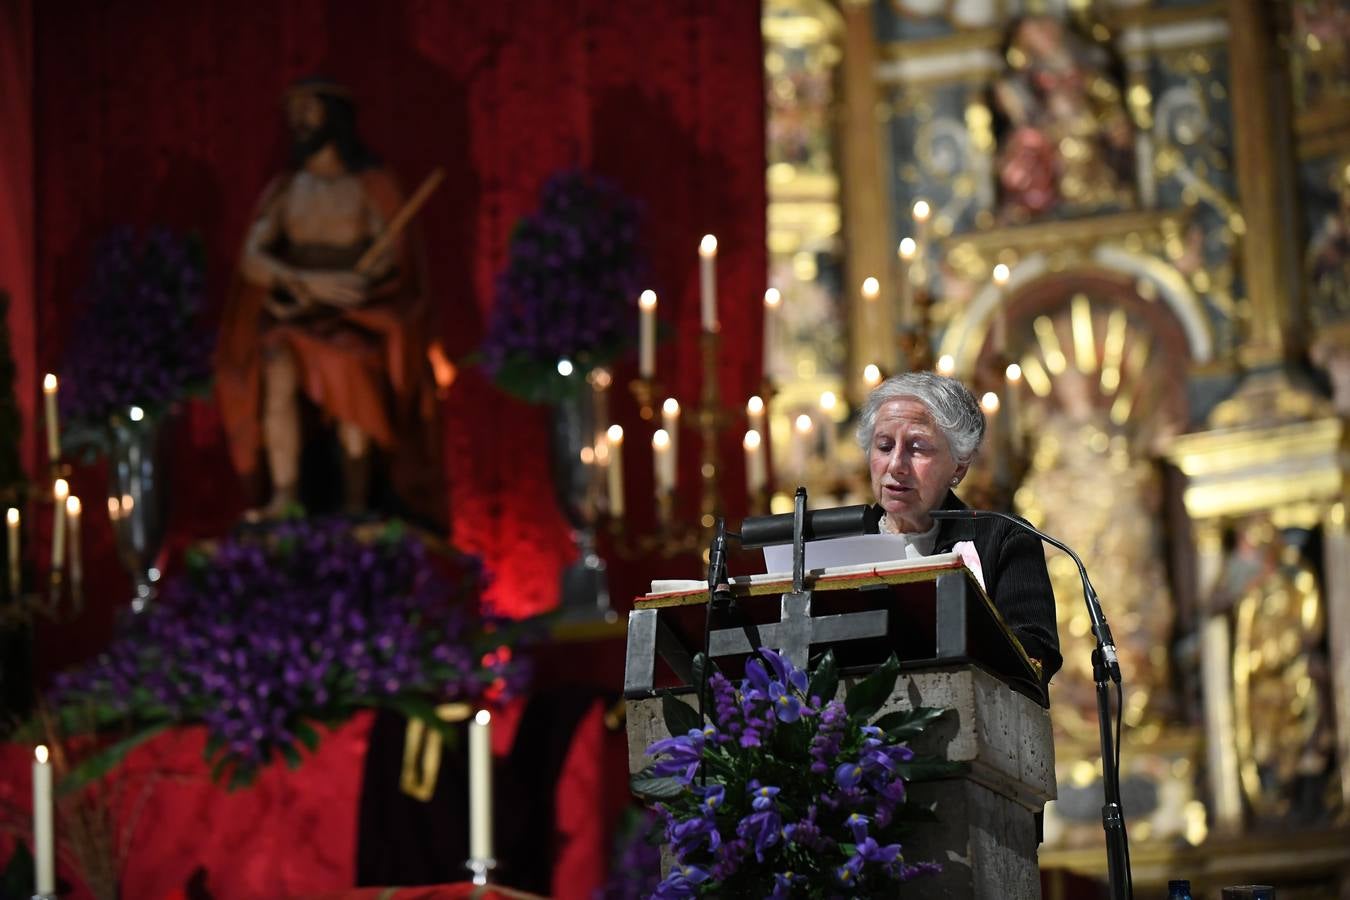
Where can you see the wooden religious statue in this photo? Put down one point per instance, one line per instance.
(328, 323)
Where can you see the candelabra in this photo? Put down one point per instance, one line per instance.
(56, 592)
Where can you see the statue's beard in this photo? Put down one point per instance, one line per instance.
(305, 144)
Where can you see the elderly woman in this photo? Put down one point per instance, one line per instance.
(920, 432)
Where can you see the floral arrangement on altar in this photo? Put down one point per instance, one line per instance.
(788, 791)
(136, 340)
(569, 290)
(279, 628)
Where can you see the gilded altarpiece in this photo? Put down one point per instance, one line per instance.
(1090, 148)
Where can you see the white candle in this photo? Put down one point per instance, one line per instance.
(1001, 275)
(828, 403)
(801, 451)
(773, 302)
(663, 461)
(73, 510)
(647, 334)
(756, 476)
(615, 442)
(754, 414)
(44, 838)
(49, 386)
(480, 786)
(60, 491)
(707, 271)
(12, 529)
(906, 252)
(670, 421)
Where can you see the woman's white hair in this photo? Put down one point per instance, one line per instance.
(947, 400)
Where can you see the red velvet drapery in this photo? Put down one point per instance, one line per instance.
(161, 112)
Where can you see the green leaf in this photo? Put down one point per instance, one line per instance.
(650, 788)
(868, 695)
(107, 759)
(908, 723)
(307, 736)
(681, 718)
(825, 679)
(240, 778)
(291, 755)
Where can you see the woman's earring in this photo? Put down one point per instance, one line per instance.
(955, 482)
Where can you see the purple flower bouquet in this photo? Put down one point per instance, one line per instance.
(569, 290)
(282, 627)
(788, 791)
(136, 340)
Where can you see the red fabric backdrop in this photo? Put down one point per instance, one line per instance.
(163, 112)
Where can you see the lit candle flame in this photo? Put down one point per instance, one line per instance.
(946, 365)
(752, 440)
(772, 298)
(49, 383)
(828, 401)
(647, 300)
(908, 248)
(872, 375)
(1001, 274)
(671, 407)
(804, 424)
(754, 406)
(61, 490)
(615, 434)
(871, 288)
(1013, 372)
(707, 246)
(40, 753)
(922, 210)
(989, 403)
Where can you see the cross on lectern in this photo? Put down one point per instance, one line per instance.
(793, 635)
(797, 630)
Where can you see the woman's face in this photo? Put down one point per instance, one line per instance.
(911, 463)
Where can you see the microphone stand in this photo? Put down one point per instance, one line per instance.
(1105, 672)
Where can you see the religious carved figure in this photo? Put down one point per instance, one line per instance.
(1067, 141)
(317, 315)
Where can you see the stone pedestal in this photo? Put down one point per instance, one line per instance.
(986, 835)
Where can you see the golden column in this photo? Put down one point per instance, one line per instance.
(1263, 146)
(866, 218)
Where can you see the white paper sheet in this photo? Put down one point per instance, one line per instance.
(858, 550)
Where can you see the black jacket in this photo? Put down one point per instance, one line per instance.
(1015, 578)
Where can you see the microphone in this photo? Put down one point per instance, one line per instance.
(718, 590)
(817, 525)
(1100, 629)
(1105, 664)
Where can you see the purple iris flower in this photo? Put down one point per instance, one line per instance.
(762, 830)
(713, 795)
(762, 795)
(688, 836)
(784, 671)
(857, 823)
(681, 884)
(870, 851)
(786, 706)
(848, 774)
(684, 754)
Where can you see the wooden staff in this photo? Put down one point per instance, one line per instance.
(400, 221)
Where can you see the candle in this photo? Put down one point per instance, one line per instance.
(663, 461)
(49, 386)
(480, 786)
(615, 443)
(44, 843)
(1001, 275)
(12, 527)
(1011, 412)
(73, 510)
(60, 491)
(754, 412)
(828, 403)
(773, 303)
(707, 271)
(801, 449)
(756, 474)
(670, 421)
(647, 335)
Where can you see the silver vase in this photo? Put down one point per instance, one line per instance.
(584, 591)
(136, 499)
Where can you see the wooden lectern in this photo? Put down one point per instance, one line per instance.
(955, 651)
